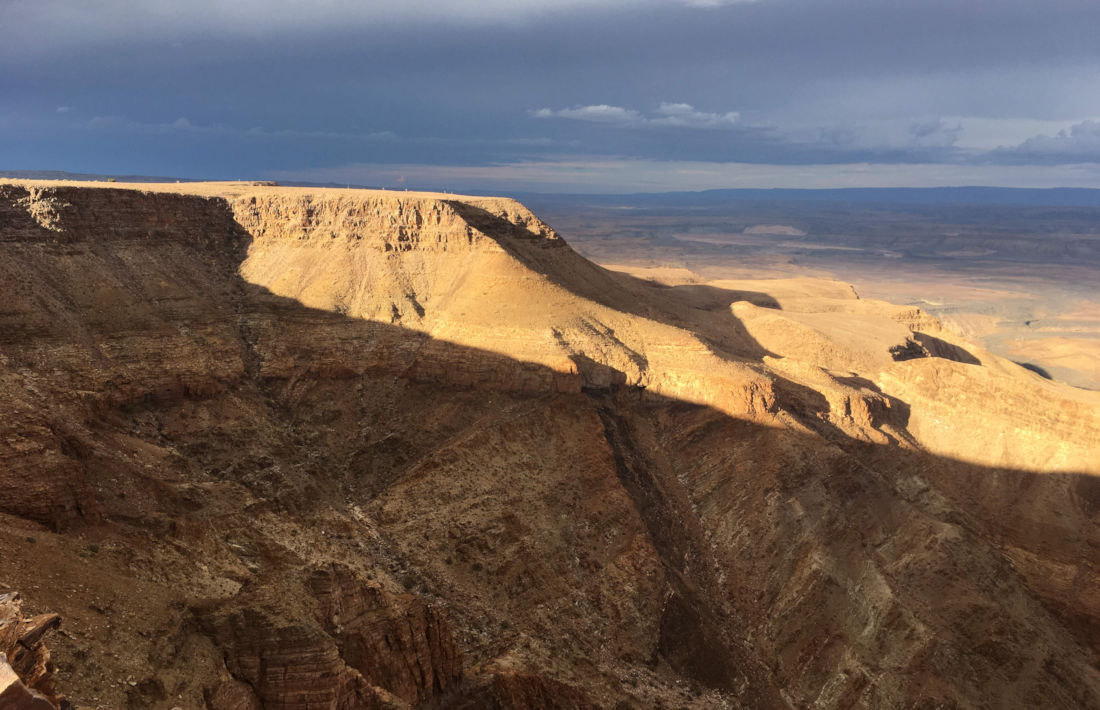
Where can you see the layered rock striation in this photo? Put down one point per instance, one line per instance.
(295, 448)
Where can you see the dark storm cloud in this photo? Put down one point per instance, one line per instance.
(1076, 144)
(223, 89)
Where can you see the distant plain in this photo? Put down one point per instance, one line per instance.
(1020, 280)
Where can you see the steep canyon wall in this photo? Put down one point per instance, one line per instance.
(290, 448)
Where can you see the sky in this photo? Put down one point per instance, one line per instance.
(557, 95)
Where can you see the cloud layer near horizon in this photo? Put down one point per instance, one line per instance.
(217, 89)
(667, 115)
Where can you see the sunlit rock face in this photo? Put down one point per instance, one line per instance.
(295, 448)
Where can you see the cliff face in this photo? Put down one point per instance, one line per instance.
(288, 448)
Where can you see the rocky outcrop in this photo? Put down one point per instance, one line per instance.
(26, 674)
(396, 642)
(288, 666)
(15, 695)
(362, 648)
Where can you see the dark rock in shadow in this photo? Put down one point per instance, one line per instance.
(921, 345)
(1041, 372)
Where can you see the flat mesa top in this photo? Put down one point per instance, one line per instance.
(237, 188)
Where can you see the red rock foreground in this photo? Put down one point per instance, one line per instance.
(26, 681)
(282, 448)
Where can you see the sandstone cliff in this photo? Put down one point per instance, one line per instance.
(290, 448)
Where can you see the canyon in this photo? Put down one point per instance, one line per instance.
(314, 448)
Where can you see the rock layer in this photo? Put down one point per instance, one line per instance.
(298, 448)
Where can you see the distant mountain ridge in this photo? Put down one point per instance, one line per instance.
(86, 177)
(1018, 196)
